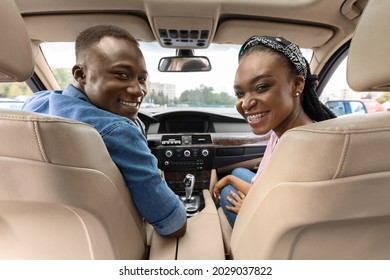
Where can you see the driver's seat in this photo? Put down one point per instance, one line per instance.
(61, 196)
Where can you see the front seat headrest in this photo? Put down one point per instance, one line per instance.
(16, 59)
(368, 67)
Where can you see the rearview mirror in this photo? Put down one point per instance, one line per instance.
(184, 64)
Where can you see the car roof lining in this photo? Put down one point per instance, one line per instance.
(256, 15)
(231, 21)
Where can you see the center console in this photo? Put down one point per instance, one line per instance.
(187, 161)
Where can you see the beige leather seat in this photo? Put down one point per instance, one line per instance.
(326, 191)
(61, 196)
(63, 166)
(324, 195)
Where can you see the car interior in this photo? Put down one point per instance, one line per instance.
(324, 194)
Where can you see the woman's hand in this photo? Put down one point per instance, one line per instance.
(235, 200)
(219, 186)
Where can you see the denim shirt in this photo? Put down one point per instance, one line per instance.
(128, 149)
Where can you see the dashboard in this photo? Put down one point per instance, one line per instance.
(188, 121)
(195, 140)
(197, 143)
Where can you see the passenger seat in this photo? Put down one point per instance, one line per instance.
(61, 196)
(326, 190)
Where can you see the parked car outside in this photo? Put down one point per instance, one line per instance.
(11, 103)
(361, 106)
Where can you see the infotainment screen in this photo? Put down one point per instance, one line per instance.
(194, 125)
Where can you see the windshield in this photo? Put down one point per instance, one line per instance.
(207, 91)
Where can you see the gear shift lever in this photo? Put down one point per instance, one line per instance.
(189, 181)
(191, 203)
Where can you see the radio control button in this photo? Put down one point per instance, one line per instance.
(168, 153)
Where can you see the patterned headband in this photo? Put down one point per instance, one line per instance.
(279, 44)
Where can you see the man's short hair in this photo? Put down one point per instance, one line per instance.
(92, 35)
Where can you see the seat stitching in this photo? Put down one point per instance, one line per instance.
(343, 157)
(42, 119)
(38, 141)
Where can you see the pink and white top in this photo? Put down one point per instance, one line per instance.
(267, 155)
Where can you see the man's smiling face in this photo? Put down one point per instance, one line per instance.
(115, 77)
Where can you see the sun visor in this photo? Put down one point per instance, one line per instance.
(65, 28)
(306, 36)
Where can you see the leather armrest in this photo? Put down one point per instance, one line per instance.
(202, 240)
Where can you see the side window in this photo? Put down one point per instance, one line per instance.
(342, 100)
(13, 95)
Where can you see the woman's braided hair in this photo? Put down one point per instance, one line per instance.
(298, 65)
(312, 106)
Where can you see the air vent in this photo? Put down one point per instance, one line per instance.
(201, 139)
(169, 140)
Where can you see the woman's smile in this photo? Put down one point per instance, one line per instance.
(253, 119)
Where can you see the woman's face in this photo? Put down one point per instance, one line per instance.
(266, 92)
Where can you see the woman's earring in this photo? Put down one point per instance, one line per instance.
(297, 93)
